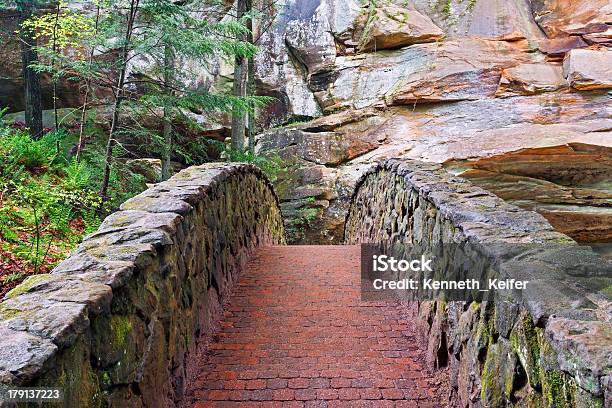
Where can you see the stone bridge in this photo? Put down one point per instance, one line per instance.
(188, 297)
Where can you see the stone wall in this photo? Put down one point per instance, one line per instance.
(548, 347)
(113, 324)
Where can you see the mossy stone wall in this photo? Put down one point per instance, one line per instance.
(549, 346)
(114, 324)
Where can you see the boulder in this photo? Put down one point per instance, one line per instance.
(422, 73)
(588, 69)
(556, 48)
(390, 26)
(560, 18)
(530, 79)
(150, 169)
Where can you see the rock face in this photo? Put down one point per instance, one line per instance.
(509, 20)
(588, 69)
(568, 185)
(390, 26)
(547, 346)
(530, 79)
(562, 18)
(279, 70)
(423, 73)
(123, 312)
(502, 77)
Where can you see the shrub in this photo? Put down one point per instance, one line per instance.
(269, 164)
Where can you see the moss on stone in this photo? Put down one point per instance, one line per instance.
(75, 376)
(27, 285)
(121, 327)
(152, 289)
(489, 385)
(509, 385)
(106, 380)
(555, 389)
(8, 313)
(120, 218)
(607, 291)
(494, 378)
(526, 342)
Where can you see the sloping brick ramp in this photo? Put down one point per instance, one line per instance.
(295, 334)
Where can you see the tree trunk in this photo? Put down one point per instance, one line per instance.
(119, 95)
(55, 25)
(168, 80)
(240, 87)
(31, 79)
(80, 146)
(251, 113)
(165, 168)
(251, 82)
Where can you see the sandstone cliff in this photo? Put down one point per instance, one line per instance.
(514, 95)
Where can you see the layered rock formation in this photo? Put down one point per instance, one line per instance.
(569, 185)
(378, 81)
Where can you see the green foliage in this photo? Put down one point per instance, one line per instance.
(61, 30)
(270, 165)
(448, 8)
(174, 32)
(303, 217)
(14, 277)
(20, 151)
(77, 175)
(48, 200)
(123, 183)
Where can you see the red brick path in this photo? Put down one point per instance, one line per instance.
(296, 334)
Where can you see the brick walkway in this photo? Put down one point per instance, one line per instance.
(295, 334)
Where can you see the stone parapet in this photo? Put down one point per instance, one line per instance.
(550, 346)
(113, 324)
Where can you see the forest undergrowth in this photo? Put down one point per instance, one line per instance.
(49, 200)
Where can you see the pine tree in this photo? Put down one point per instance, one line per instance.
(170, 33)
(125, 48)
